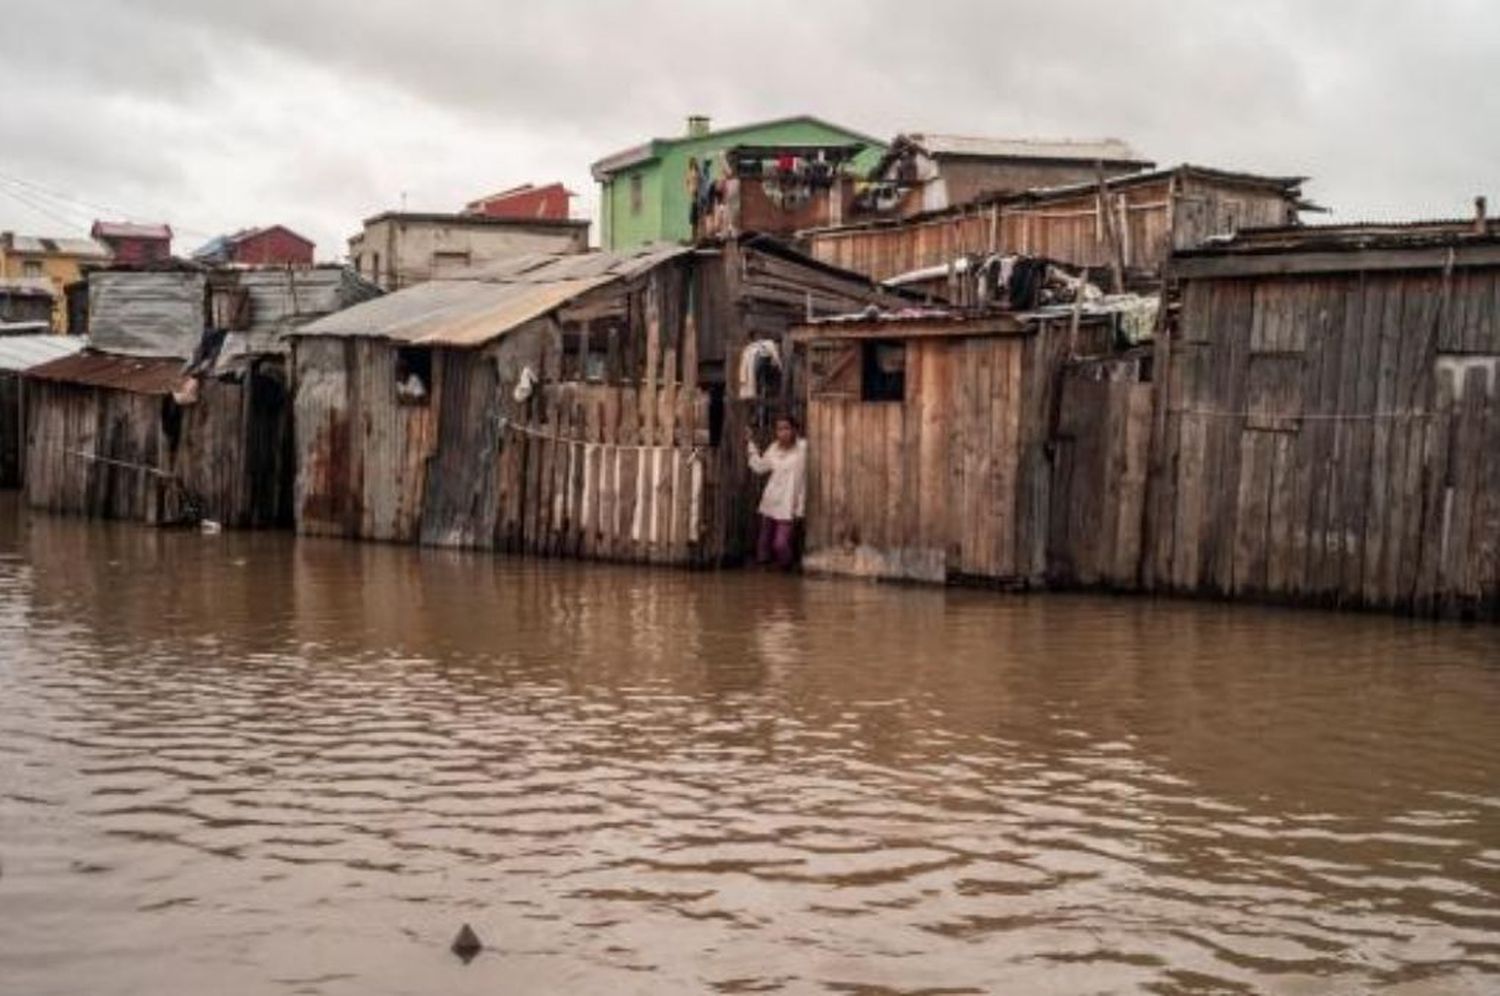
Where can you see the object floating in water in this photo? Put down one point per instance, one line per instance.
(467, 944)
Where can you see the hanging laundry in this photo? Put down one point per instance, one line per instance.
(1027, 279)
(760, 355)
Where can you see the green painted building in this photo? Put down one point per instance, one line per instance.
(642, 190)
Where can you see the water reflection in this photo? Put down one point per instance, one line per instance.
(244, 763)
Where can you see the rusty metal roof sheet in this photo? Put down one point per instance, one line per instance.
(140, 374)
(483, 304)
(22, 352)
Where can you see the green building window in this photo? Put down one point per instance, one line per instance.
(637, 195)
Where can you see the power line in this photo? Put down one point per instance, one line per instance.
(60, 198)
(33, 204)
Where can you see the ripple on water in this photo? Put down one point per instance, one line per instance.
(326, 757)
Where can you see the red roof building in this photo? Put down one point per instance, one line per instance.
(129, 242)
(525, 203)
(274, 244)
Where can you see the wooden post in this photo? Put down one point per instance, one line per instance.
(1116, 251)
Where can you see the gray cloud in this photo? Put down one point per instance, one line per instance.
(317, 114)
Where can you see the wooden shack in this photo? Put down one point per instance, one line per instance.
(556, 405)
(180, 409)
(940, 451)
(126, 437)
(1136, 220)
(1329, 426)
(19, 353)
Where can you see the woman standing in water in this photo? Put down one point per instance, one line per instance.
(785, 498)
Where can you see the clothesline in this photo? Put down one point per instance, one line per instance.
(695, 453)
(95, 458)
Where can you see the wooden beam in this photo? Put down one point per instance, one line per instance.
(1352, 261)
(831, 331)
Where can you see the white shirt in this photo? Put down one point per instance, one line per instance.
(785, 496)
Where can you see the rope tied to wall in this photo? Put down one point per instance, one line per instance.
(695, 453)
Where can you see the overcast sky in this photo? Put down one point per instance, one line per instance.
(214, 116)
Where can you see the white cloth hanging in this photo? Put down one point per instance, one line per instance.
(750, 358)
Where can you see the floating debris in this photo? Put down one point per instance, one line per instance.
(467, 944)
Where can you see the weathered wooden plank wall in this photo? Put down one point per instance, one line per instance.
(118, 454)
(1332, 439)
(943, 484)
(1100, 453)
(67, 423)
(1152, 219)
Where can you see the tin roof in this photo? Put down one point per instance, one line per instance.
(1288, 185)
(142, 375)
(47, 246)
(1109, 150)
(22, 352)
(483, 304)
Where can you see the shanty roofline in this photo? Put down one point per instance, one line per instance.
(485, 303)
(475, 220)
(59, 247)
(604, 168)
(1289, 186)
(22, 352)
(179, 265)
(141, 375)
(1279, 184)
(1107, 150)
(1289, 250)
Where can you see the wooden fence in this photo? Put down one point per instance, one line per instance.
(598, 474)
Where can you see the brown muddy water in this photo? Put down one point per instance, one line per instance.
(249, 764)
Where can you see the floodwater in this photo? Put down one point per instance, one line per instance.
(249, 764)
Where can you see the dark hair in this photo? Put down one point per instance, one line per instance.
(789, 419)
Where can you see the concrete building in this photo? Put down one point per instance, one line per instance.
(400, 248)
(59, 262)
(643, 195)
(134, 243)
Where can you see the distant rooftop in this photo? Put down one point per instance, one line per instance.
(45, 245)
(649, 149)
(447, 218)
(1108, 150)
(130, 230)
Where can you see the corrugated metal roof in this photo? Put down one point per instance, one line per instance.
(142, 375)
(485, 303)
(59, 247)
(147, 313)
(1093, 150)
(22, 352)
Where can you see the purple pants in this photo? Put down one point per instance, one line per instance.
(775, 541)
